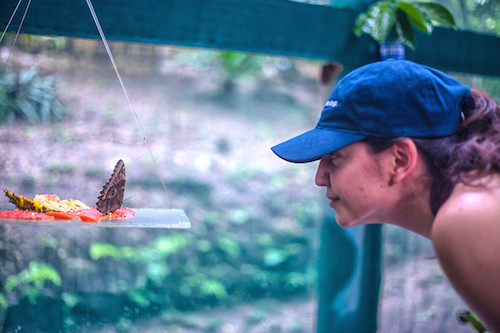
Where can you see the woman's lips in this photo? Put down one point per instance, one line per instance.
(333, 200)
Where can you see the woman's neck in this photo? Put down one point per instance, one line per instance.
(413, 209)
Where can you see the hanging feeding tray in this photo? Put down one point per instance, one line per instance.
(143, 218)
(48, 209)
(109, 211)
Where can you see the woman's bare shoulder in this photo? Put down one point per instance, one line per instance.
(470, 218)
(466, 234)
(472, 204)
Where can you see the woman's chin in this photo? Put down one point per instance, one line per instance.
(348, 220)
(345, 222)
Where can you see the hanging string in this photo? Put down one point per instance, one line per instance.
(110, 55)
(10, 20)
(18, 29)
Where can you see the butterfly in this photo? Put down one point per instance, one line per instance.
(111, 197)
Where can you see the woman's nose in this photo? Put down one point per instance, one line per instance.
(322, 178)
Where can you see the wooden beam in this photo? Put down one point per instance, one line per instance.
(277, 27)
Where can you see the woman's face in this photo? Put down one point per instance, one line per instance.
(355, 184)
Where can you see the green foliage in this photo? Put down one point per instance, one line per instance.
(395, 19)
(213, 287)
(123, 324)
(32, 280)
(207, 266)
(171, 244)
(274, 257)
(306, 212)
(139, 298)
(265, 239)
(50, 241)
(99, 250)
(235, 65)
(28, 96)
(3, 302)
(157, 271)
(57, 42)
(35, 43)
(202, 286)
(476, 15)
(240, 216)
(229, 244)
(70, 299)
(160, 248)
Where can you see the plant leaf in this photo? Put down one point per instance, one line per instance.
(377, 21)
(415, 17)
(404, 31)
(436, 13)
(3, 302)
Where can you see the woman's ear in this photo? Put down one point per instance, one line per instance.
(403, 157)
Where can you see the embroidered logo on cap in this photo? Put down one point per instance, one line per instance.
(331, 103)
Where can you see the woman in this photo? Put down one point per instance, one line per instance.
(405, 144)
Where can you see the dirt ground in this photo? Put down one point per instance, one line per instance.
(265, 316)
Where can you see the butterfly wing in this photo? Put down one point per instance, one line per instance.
(112, 193)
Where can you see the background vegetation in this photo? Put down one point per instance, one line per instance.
(249, 262)
(209, 117)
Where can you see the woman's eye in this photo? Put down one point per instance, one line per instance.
(333, 157)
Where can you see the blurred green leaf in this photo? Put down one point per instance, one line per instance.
(265, 239)
(70, 299)
(3, 302)
(157, 272)
(31, 293)
(213, 287)
(171, 244)
(211, 217)
(229, 244)
(274, 257)
(203, 246)
(124, 324)
(32, 279)
(279, 181)
(240, 216)
(296, 280)
(386, 20)
(377, 21)
(40, 272)
(27, 96)
(139, 297)
(99, 250)
(294, 248)
(127, 252)
(415, 17)
(436, 13)
(50, 241)
(404, 31)
(185, 290)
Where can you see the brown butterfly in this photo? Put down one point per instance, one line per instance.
(111, 197)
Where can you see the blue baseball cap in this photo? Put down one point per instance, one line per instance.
(391, 98)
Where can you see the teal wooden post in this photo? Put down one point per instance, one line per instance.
(349, 278)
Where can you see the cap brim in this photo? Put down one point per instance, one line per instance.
(311, 145)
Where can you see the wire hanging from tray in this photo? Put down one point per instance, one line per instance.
(148, 215)
(132, 109)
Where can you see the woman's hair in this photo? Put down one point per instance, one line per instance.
(471, 153)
